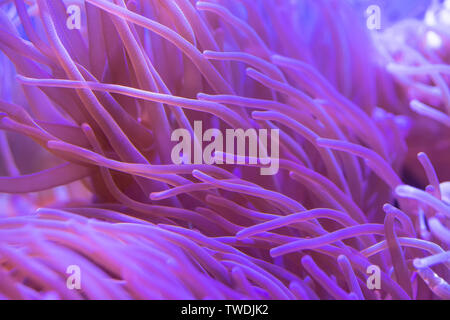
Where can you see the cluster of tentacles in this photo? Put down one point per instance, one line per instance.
(87, 177)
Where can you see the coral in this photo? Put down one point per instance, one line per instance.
(87, 117)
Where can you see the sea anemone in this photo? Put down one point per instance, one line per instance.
(87, 116)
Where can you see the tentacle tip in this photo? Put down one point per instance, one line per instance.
(202, 96)
(21, 78)
(257, 114)
(306, 260)
(86, 127)
(154, 196)
(200, 4)
(417, 263)
(415, 104)
(274, 252)
(200, 175)
(251, 71)
(402, 189)
(421, 154)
